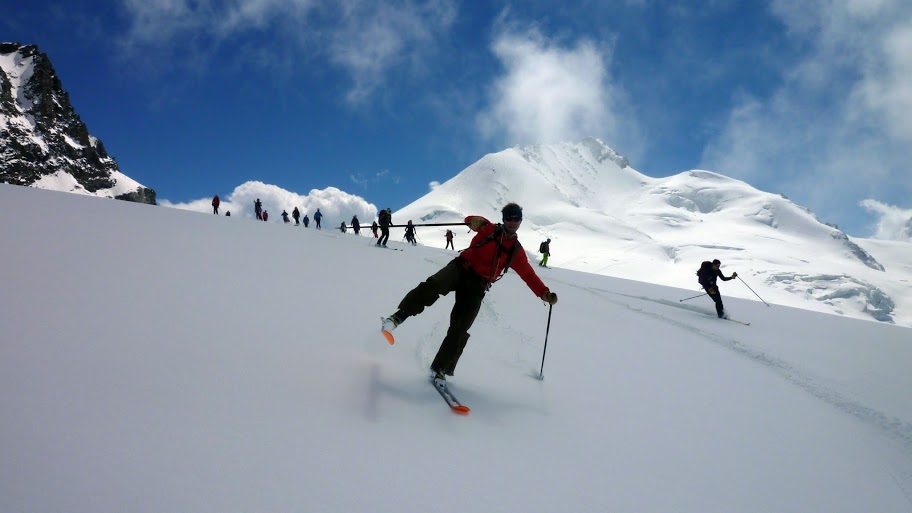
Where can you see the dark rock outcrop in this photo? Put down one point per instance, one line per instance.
(42, 136)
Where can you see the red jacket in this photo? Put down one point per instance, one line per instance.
(481, 259)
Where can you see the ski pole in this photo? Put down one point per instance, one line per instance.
(547, 329)
(689, 298)
(752, 290)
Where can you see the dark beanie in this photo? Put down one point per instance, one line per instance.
(716, 261)
(511, 210)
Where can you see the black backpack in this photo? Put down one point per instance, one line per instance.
(704, 272)
(541, 247)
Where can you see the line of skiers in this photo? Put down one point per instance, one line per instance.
(706, 276)
(263, 215)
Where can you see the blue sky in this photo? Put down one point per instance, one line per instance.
(808, 99)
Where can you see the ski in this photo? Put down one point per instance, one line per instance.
(450, 399)
(727, 318)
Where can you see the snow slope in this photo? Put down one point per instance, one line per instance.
(162, 360)
(606, 218)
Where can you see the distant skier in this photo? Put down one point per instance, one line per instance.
(707, 275)
(386, 219)
(356, 226)
(317, 217)
(410, 233)
(285, 217)
(227, 213)
(265, 215)
(215, 204)
(258, 209)
(449, 239)
(342, 227)
(545, 249)
(296, 215)
(374, 227)
(306, 221)
(493, 250)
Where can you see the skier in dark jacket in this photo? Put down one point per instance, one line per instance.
(707, 275)
(374, 227)
(306, 221)
(449, 239)
(493, 250)
(317, 217)
(385, 217)
(285, 216)
(258, 209)
(215, 204)
(410, 233)
(296, 215)
(356, 225)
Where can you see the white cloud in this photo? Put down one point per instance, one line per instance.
(334, 204)
(893, 223)
(433, 185)
(840, 124)
(553, 93)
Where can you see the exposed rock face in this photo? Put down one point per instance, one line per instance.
(43, 142)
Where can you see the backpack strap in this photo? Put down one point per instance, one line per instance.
(495, 238)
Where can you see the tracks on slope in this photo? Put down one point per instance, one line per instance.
(893, 427)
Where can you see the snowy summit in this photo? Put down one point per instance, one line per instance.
(605, 217)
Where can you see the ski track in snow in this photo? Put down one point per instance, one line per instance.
(895, 428)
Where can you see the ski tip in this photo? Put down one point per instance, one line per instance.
(460, 409)
(389, 337)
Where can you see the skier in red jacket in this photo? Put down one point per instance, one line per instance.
(494, 249)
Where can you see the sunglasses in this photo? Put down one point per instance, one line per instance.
(513, 218)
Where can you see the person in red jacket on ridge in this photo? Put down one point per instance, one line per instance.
(215, 204)
(494, 249)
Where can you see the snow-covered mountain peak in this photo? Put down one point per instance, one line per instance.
(603, 216)
(43, 141)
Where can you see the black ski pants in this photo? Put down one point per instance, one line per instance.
(470, 290)
(717, 298)
(384, 235)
